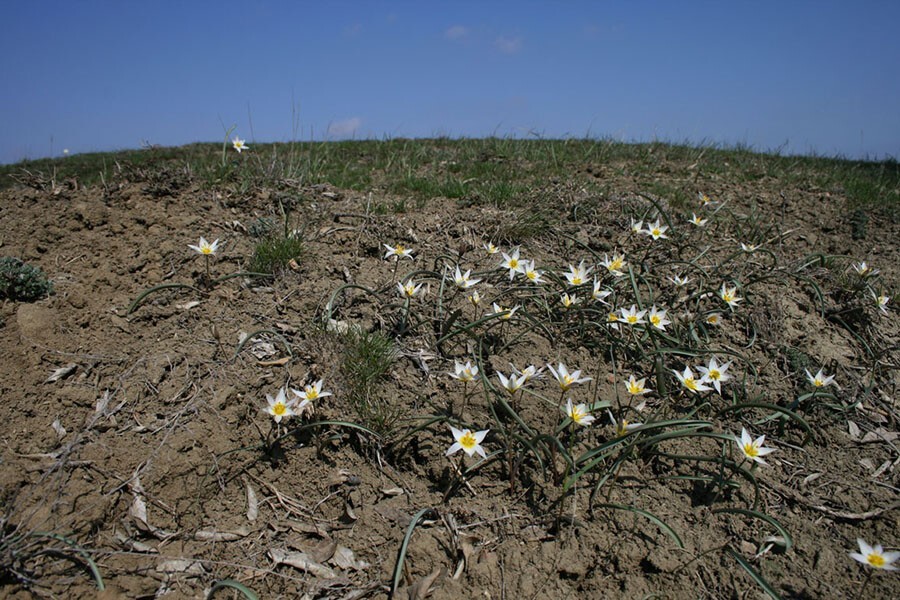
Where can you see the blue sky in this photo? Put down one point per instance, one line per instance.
(101, 75)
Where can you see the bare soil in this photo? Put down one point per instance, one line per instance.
(159, 423)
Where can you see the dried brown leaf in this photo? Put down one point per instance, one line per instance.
(422, 588)
(252, 502)
(302, 561)
(61, 373)
(344, 558)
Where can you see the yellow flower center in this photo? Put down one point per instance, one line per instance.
(577, 415)
(513, 263)
(632, 319)
(713, 319)
(616, 264)
(656, 320)
(634, 388)
(818, 382)
(622, 428)
(714, 374)
(612, 317)
(531, 275)
(279, 409)
(467, 441)
(400, 249)
(312, 394)
(751, 450)
(656, 232)
(690, 384)
(876, 560)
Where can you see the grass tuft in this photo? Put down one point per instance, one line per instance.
(368, 357)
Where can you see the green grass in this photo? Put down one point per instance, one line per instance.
(489, 171)
(368, 357)
(273, 253)
(22, 281)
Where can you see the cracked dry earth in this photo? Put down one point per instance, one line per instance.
(135, 437)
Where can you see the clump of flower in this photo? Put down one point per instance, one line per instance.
(690, 383)
(752, 449)
(409, 289)
(632, 315)
(820, 379)
(511, 262)
(467, 441)
(398, 252)
(566, 379)
(657, 231)
(636, 226)
(513, 383)
(578, 275)
(612, 319)
(530, 372)
(698, 221)
(637, 387)
(598, 294)
(531, 273)
(622, 426)
(715, 373)
(568, 300)
(658, 318)
(464, 281)
(505, 313)
(312, 392)
(881, 302)
(465, 372)
(875, 556)
(680, 281)
(864, 270)
(749, 248)
(615, 264)
(578, 413)
(280, 407)
(713, 318)
(729, 296)
(490, 248)
(206, 249)
(239, 145)
(705, 200)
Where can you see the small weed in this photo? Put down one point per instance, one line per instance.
(858, 221)
(367, 359)
(262, 227)
(525, 225)
(274, 253)
(21, 281)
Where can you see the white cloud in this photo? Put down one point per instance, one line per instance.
(508, 45)
(457, 32)
(344, 127)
